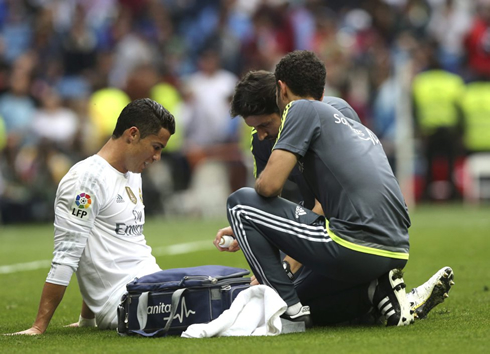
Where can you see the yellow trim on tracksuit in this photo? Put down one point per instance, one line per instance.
(363, 249)
(283, 119)
(252, 132)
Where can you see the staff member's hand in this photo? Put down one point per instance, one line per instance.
(253, 281)
(229, 232)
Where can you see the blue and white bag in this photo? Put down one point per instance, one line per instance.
(185, 295)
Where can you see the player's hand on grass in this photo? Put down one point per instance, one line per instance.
(227, 231)
(33, 331)
(83, 322)
(73, 325)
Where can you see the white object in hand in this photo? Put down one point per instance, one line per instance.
(225, 241)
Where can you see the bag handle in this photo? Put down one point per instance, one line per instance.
(162, 332)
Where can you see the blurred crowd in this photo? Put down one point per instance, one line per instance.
(68, 67)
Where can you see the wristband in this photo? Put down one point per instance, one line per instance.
(287, 269)
(86, 322)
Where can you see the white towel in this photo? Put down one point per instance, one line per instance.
(256, 311)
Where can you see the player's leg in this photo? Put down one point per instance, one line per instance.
(332, 301)
(346, 296)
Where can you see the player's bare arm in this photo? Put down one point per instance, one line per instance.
(272, 179)
(318, 208)
(50, 299)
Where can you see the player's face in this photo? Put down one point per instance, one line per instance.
(147, 150)
(267, 125)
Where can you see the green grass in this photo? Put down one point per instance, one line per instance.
(441, 235)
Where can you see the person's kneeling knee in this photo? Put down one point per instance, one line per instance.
(240, 196)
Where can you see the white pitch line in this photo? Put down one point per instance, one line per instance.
(180, 248)
(20, 267)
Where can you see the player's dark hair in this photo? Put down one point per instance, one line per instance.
(255, 94)
(146, 115)
(303, 72)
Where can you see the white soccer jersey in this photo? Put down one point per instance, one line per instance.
(99, 218)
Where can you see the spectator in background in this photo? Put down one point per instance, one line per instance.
(17, 106)
(226, 39)
(172, 47)
(16, 34)
(3, 134)
(211, 139)
(272, 37)
(140, 81)
(385, 98)
(104, 105)
(173, 158)
(326, 45)
(27, 179)
(54, 130)
(208, 93)
(47, 45)
(3, 142)
(448, 25)
(132, 49)
(78, 57)
(436, 96)
(209, 130)
(475, 104)
(84, 48)
(477, 43)
(53, 123)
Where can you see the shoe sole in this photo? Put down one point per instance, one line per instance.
(303, 316)
(398, 286)
(438, 295)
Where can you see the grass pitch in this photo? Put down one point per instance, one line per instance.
(441, 235)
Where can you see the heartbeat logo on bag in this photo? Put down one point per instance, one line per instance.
(163, 308)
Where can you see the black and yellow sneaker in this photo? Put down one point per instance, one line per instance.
(430, 294)
(391, 301)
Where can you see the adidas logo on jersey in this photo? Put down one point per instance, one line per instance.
(119, 199)
(299, 211)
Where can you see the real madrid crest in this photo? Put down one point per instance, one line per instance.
(131, 195)
(141, 196)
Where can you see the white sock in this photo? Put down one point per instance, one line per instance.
(294, 309)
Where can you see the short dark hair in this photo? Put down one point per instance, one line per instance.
(146, 115)
(303, 72)
(255, 94)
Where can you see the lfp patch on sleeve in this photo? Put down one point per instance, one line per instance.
(81, 205)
